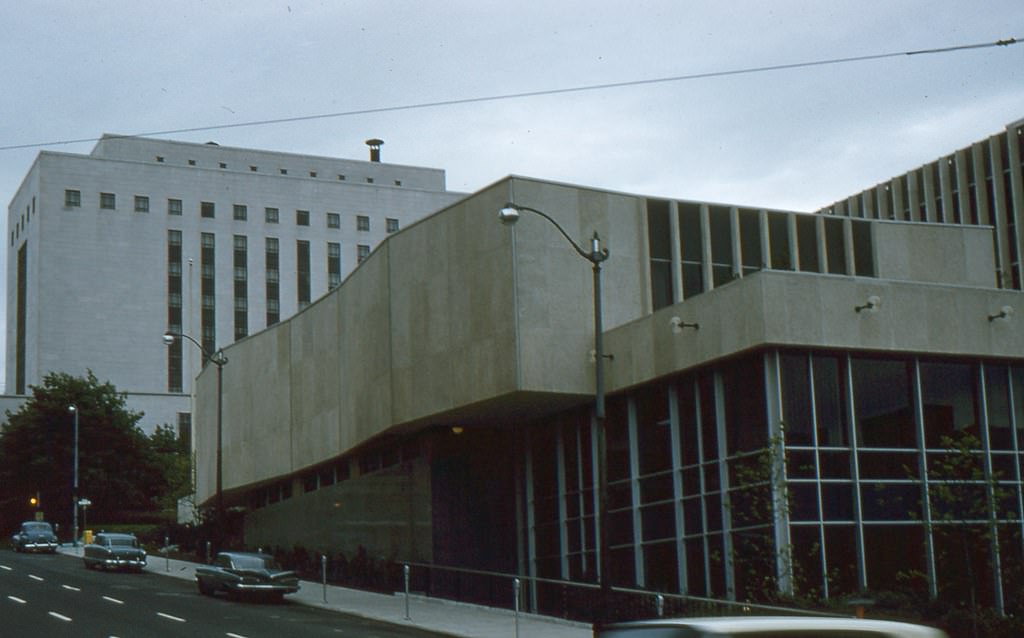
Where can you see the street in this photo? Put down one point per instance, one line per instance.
(54, 595)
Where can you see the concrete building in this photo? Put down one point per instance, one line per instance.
(790, 400)
(109, 250)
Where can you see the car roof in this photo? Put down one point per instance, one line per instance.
(115, 535)
(740, 624)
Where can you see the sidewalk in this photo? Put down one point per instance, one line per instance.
(432, 614)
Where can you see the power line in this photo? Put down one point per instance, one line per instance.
(539, 93)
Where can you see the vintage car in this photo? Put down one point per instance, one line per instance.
(114, 551)
(34, 536)
(245, 573)
(767, 627)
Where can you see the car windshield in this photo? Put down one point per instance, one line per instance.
(253, 562)
(37, 528)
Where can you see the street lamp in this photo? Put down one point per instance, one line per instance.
(218, 359)
(596, 256)
(73, 409)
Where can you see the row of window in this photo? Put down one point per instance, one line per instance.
(281, 171)
(240, 212)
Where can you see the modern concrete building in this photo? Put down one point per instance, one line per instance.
(109, 250)
(809, 404)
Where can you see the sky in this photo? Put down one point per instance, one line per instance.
(797, 138)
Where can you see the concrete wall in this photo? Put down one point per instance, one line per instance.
(936, 253)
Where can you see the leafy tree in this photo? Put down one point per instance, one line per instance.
(120, 469)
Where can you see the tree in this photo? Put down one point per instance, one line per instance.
(119, 468)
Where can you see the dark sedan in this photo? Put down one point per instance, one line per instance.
(246, 573)
(34, 536)
(114, 551)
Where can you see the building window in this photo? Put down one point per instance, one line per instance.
(185, 429)
(691, 249)
(392, 225)
(160, 159)
(174, 207)
(207, 209)
(108, 201)
(272, 266)
(241, 285)
(303, 273)
(659, 244)
(222, 165)
(254, 168)
(241, 212)
(363, 252)
(175, 370)
(207, 290)
(302, 218)
(363, 222)
(72, 198)
(369, 180)
(191, 162)
(312, 173)
(341, 178)
(333, 220)
(271, 215)
(398, 182)
(284, 171)
(333, 265)
(141, 204)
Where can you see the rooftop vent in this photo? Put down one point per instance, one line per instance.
(374, 145)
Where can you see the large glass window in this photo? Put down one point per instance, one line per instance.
(692, 249)
(807, 241)
(950, 401)
(882, 394)
(778, 237)
(659, 241)
(829, 400)
(720, 221)
(746, 425)
(835, 244)
(863, 250)
(750, 240)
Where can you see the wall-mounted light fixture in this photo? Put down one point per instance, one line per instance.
(1004, 313)
(457, 429)
(678, 325)
(592, 356)
(871, 305)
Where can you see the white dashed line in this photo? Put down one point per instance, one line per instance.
(169, 617)
(5, 568)
(71, 588)
(34, 577)
(59, 616)
(113, 600)
(231, 635)
(20, 601)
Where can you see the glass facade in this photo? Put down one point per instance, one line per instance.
(873, 472)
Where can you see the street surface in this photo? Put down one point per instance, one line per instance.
(55, 596)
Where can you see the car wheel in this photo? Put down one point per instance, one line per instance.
(204, 589)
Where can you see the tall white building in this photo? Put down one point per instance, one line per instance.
(109, 250)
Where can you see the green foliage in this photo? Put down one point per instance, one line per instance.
(119, 469)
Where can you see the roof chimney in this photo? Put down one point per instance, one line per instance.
(374, 145)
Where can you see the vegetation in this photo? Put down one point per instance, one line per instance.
(126, 475)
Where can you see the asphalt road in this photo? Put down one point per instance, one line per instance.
(55, 596)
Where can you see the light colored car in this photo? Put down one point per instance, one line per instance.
(34, 536)
(114, 551)
(767, 627)
(246, 573)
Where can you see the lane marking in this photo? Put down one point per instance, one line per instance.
(5, 568)
(169, 617)
(34, 577)
(71, 588)
(113, 600)
(20, 601)
(231, 635)
(59, 616)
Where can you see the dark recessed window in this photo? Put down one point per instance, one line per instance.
(392, 225)
(369, 180)
(284, 171)
(241, 212)
(173, 206)
(207, 209)
(271, 215)
(362, 222)
(254, 168)
(72, 198)
(302, 218)
(160, 158)
(312, 173)
(398, 182)
(363, 252)
(341, 178)
(108, 201)
(333, 220)
(141, 204)
(191, 162)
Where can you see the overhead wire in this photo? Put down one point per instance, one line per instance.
(537, 93)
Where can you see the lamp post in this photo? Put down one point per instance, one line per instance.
(218, 359)
(596, 256)
(73, 409)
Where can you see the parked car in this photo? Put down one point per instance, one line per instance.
(245, 573)
(34, 536)
(767, 627)
(114, 551)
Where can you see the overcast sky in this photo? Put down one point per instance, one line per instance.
(794, 139)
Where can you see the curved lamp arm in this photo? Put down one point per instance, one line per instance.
(217, 358)
(510, 215)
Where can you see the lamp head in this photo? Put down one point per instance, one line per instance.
(72, 409)
(169, 339)
(509, 214)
